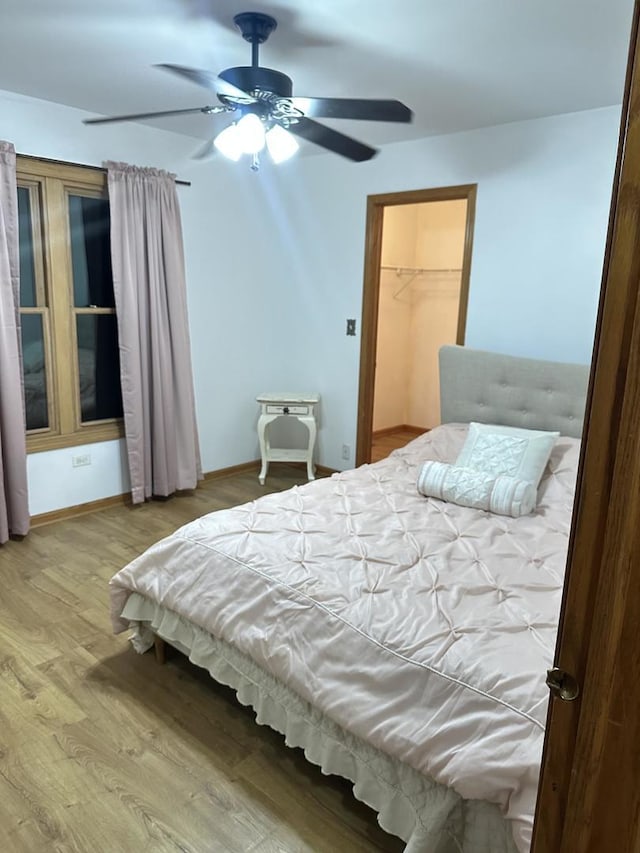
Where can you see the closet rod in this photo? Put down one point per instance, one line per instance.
(83, 165)
(417, 270)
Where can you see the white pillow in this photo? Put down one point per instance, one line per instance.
(464, 486)
(507, 451)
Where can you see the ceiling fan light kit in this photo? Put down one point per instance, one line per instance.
(248, 136)
(227, 143)
(266, 112)
(280, 144)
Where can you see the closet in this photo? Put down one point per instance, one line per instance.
(419, 302)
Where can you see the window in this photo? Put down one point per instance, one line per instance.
(69, 331)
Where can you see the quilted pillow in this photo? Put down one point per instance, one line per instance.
(507, 451)
(463, 486)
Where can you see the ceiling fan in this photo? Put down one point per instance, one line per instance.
(266, 113)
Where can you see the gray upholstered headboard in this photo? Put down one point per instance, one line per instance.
(502, 389)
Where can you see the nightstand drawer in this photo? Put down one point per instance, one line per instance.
(287, 410)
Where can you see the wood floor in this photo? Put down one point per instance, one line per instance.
(382, 445)
(104, 751)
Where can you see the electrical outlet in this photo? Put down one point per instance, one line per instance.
(346, 452)
(351, 327)
(81, 459)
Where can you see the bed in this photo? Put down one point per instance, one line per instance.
(401, 641)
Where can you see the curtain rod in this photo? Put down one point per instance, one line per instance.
(83, 165)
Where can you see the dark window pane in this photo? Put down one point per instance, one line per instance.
(27, 262)
(90, 252)
(35, 379)
(99, 367)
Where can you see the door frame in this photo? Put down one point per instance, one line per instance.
(589, 793)
(371, 291)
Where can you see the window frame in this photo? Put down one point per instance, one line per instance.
(51, 184)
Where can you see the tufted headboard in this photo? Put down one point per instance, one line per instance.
(503, 389)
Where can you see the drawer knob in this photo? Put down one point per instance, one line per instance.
(285, 410)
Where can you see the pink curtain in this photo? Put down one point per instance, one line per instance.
(155, 358)
(14, 504)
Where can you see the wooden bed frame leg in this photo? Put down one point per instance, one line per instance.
(160, 648)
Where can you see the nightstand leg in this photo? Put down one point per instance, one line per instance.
(310, 424)
(263, 420)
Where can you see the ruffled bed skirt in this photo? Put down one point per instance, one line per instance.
(429, 817)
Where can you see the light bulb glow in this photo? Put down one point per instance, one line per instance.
(250, 134)
(228, 143)
(281, 144)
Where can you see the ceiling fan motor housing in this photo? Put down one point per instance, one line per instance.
(251, 79)
(255, 26)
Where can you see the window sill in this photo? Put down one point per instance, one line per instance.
(109, 431)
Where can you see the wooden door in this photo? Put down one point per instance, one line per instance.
(589, 798)
(371, 291)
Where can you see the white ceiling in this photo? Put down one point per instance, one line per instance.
(459, 64)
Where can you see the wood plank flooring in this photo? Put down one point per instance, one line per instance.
(382, 445)
(104, 751)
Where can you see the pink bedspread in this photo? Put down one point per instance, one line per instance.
(422, 627)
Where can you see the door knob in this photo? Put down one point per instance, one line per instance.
(562, 685)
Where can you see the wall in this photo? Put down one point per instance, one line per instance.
(393, 353)
(440, 234)
(238, 341)
(435, 298)
(544, 191)
(275, 261)
(50, 130)
(434, 322)
(400, 235)
(230, 355)
(393, 349)
(417, 312)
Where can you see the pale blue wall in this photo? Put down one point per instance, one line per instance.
(285, 252)
(275, 264)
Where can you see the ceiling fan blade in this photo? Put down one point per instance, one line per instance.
(209, 80)
(332, 140)
(205, 151)
(354, 108)
(138, 116)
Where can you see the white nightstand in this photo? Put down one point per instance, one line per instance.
(289, 404)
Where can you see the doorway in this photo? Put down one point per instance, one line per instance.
(417, 270)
